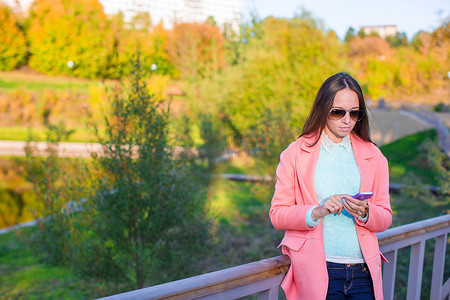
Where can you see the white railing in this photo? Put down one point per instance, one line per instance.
(264, 277)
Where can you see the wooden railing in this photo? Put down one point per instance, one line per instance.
(264, 277)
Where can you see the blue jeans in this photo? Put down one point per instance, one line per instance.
(349, 281)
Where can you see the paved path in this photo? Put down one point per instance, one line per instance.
(388, 125)
(17, 148)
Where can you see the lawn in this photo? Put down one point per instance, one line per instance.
(23, 277)
(405, 156)
(33, 81)
(79, 135)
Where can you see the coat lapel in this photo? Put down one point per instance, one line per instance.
(363, 156)
(306, 162)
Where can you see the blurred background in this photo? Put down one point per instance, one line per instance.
(211, 91)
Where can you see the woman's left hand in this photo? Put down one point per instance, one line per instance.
(355, 207)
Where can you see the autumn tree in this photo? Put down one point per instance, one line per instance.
(401, 70)
(13, 44)
(70, 37)
(195, 49)
(150, 40)
(264, 98)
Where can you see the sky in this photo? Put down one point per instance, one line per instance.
(410, 16)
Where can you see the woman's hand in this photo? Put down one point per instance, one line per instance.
(355, 207)
(332, 205)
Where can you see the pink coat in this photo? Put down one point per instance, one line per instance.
(295, 193)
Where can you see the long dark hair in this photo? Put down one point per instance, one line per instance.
(317, 118)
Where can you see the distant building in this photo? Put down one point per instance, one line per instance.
(167, 11)
(171, 11)
(382, 30)
(18, 5)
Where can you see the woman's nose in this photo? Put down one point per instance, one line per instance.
(347, 119)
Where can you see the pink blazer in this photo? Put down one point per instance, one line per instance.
(295, 193)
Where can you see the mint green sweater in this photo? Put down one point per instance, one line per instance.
(337, 173)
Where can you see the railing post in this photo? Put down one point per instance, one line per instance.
(271, 294)
(438, 267)
(389, 270)
(415, 271)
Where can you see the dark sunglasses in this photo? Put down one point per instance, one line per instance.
(338, 113)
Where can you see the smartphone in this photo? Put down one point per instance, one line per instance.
(363, 196)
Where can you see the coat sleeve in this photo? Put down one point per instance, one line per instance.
(285, 212)
(380, 212)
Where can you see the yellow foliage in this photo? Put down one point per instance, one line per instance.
(196, 48)
(64, 31)
(157, 85)
(13, 45)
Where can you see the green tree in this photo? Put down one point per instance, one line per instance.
(398, 40)
(56, 182)
(13, 44)
(265, 95)
(280, 69)
(120, 220)
(148, 218)
(70, 37)
(351, 33)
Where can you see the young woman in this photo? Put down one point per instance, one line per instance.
(330, 236)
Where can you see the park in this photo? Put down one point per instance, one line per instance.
(138, 157)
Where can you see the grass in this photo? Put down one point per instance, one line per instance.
(22, 276)
(404, 156)
(79, 135)
(33, 81)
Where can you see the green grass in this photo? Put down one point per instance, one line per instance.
(39, 134)
(23, 277)
(35, 86)
(404, 156)
(234, 202)
(36, 82)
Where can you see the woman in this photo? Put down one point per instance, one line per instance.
(330, 236)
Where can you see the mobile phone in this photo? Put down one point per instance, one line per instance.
(363, 196)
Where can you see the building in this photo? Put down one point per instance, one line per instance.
(18, 5)
(168, 11)
(382, 30)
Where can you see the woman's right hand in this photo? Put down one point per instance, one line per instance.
(331, 206)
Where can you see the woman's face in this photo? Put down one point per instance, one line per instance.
(336, 130)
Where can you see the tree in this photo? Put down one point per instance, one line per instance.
(120, 220)
(398, 40)
(196, 49)
(280, 69)
(70, 37)
(351, 33)
(55, 182)
(150, 41)
(147, 196)
(13, 44)
(280, 66)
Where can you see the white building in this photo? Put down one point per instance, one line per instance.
(168, 11)
(188, 11)
(382, 30)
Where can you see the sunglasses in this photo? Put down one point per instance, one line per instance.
(338, 113)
